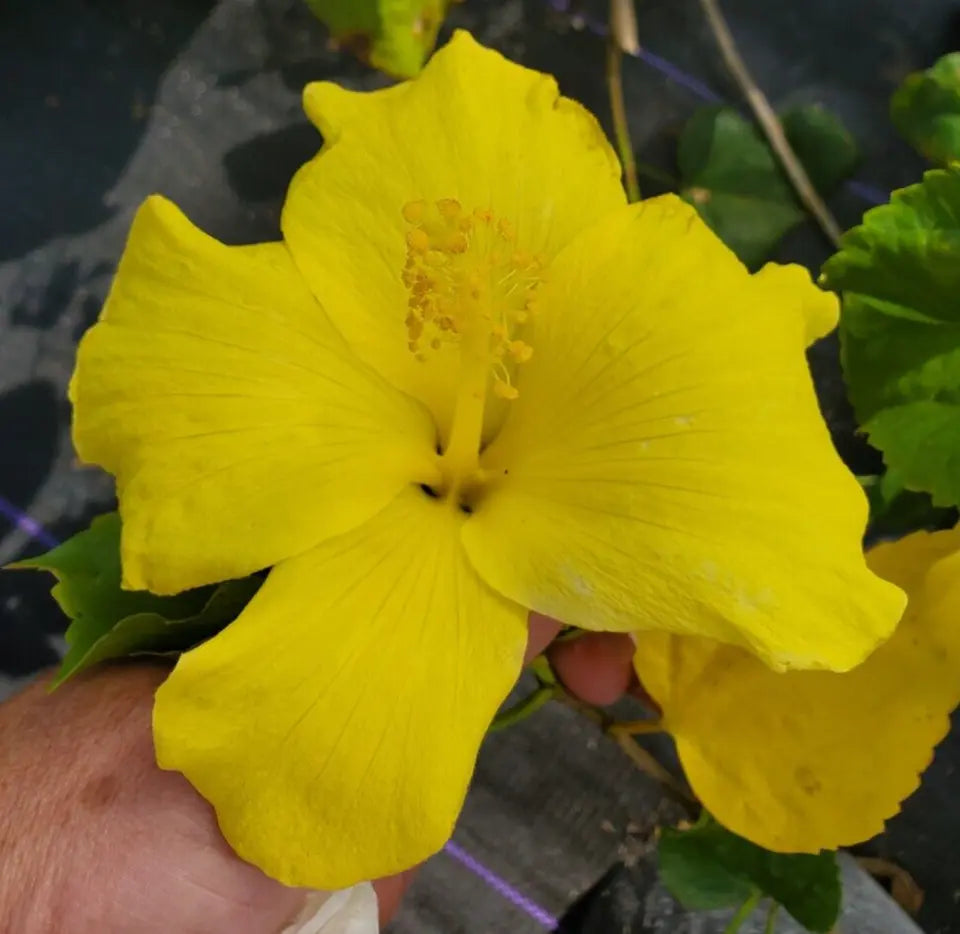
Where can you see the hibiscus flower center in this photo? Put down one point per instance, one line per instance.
(470, 284)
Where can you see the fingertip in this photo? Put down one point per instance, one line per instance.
(597, 667)
(390, 892)
(543, 630)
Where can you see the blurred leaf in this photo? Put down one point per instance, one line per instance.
(897, 511)
(900, 331)
(108, 622)
(823, 145)
(708, 867)
(395, 36)
(926, 110)
(730, 174)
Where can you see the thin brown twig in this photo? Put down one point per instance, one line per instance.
(647, 763)
(623, 26)
(769, 122)
(903, 887)
(639, 756)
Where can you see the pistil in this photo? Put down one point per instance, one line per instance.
(460, 460)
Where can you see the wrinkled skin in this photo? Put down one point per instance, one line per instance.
(94, 838)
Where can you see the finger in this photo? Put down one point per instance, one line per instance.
(543, 630)
(390, 892)
(597, 667)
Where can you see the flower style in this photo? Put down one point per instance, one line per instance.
(801, 761)
(470, 382)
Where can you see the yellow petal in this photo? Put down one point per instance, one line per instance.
(334, 726)
(819, 309)
(239, 426)
(472, 127)
(809, 760)
(666, 466)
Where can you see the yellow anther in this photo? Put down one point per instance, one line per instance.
(469, 283)
(449, 208)
(417, 240)
(414, 326)
(413, 211)
(520, 351)
(459, 243)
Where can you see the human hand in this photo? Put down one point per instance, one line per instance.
(95, 839)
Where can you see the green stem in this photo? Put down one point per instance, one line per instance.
(540, 667)
(654, 172)
(743, 912)
(621, 130)
(636, 727)
(525, 708)
(771, 924)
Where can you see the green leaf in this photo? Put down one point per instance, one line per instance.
(694, 873)
(708, 867)
(395, 36)
(926, 110)
(897, 511)
(108, 622)
(730, 174)
(899, 273)
(823, 145)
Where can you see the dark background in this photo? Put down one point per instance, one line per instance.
(104, 101)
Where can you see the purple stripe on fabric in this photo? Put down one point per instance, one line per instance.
(868, 192)
(501, 886)
(26, 524)
(676, 74)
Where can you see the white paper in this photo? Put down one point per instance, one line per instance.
(349, 911)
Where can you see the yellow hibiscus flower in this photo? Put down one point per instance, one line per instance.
(470, 382)
(801, 761)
